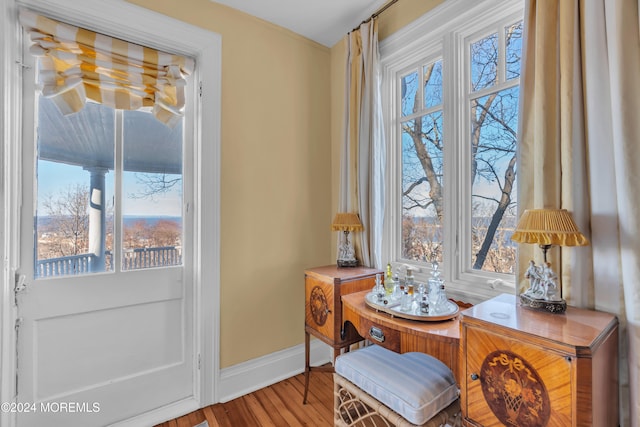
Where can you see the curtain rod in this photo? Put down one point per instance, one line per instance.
(377, 12)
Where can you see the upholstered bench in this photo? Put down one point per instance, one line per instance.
(374, 386)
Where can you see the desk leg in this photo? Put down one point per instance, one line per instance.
(306, 366)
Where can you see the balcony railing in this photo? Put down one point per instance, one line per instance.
(63, 266)
(161, 256)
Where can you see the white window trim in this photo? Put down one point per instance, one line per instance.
(143, 26)
(439, 33)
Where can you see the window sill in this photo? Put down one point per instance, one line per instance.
(472, 288)
(477, 291)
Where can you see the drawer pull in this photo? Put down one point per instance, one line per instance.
(474, 376)
(377, 334)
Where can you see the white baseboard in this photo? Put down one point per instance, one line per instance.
(255, 374)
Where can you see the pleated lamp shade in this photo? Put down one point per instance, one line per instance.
(347, 222)
(548, 227)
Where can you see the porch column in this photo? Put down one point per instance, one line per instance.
(97, 218)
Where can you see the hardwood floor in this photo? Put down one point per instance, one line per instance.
(279, 405)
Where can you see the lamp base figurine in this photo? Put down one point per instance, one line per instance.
(543, 290)
(347, 262)
(347, 253)
(556, 307)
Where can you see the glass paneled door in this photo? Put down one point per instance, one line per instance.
(106, 328)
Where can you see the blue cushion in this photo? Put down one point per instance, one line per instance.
(415, 385)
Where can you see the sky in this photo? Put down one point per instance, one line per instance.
(55, 177)
(93, 132)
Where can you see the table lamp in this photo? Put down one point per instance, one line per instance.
(347, 222)
(546, 227)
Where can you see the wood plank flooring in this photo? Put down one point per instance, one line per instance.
(279, 405)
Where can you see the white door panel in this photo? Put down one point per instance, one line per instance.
(126, 358)
(102, 291)
(74, 352)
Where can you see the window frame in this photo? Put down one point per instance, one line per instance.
(445, 32)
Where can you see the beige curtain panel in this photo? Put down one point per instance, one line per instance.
(75, 64)
(579, 151)
(363, 152)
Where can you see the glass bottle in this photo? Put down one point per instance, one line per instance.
(378, 289)
(434, 283)
(407, 301)
(441, 301)
(389, 283)
(424, 303)
(398, 287)
(409, 283)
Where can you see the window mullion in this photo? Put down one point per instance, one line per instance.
(502, 54)
(492, 89)
(464, 224)
(465, 217)
(450, 131)
(397, 173)
(391, 107)
(421, 113)
(421, 108)
(118, 223)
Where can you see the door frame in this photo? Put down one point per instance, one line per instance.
(125, 20)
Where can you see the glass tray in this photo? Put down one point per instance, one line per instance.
(392, 307)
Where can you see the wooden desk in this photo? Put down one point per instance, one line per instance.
(439, 339)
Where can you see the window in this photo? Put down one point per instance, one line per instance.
(451, 82)
(109, 155)
(80, 203)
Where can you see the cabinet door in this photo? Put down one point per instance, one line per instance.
(320, 310)
(511, 382)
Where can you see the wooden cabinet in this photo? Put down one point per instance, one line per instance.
(528, 368)
(324, 286)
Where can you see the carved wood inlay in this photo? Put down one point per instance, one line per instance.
(514, 391)
(319, 306)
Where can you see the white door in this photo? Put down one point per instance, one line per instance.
(106, 314)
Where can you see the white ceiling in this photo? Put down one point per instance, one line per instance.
(325, 21)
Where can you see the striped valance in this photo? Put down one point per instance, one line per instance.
(76, 64)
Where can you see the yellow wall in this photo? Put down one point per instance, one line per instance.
(401, 14)
(282, 124)
(276, 174)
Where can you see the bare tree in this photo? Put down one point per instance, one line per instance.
(426, 135)
(421, 239)
(68, 213)
(492, 145)
(487, 152)
(166, 233)
(141, 234)
(136, 235)
(155, 183)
